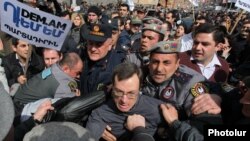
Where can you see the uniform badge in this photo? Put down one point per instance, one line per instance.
(166, 46)
(174, 46)
(73, 86)
(167, 92)
(198, 89)
(96, 28)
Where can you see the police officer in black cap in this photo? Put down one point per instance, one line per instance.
(99, 59)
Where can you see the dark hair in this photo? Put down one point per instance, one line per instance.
(15, 41)
(58, 52)
(218, 34)
(202, 18)
(184, 26)
(169, 25)
(124, 5)
(175, 14)
(64, 13)
(126, 70)
(95, 10)
(70, 59)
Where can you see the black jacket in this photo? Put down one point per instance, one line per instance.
(13, 69)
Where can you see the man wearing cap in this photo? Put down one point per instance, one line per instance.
(99, 59)
(151, 34)
(93, 16)
(141, 13)
(135, 33)
(171, 82)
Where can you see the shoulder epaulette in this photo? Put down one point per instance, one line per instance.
(182, 77)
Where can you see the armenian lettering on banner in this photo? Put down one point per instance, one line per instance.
(34, 26)
(243, 4)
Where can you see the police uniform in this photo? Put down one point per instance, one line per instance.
(50, 83)
(136, 57)
(96, 75)
(178, 88)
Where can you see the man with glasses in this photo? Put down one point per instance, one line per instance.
(99, 59)
(107, 121)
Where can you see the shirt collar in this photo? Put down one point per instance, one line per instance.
(215, 60)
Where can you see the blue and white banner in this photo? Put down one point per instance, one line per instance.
(34, 26)
(243, 4)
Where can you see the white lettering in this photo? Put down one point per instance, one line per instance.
(235, 132)
(210, 131)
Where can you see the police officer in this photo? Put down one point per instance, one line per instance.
(99, 59)
(151, 34)
(177, 84)
(57, 81)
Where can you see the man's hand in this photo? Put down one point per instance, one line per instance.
(169, 112)
(134, 121)
(21, 79)
(42, 110)
(107, 135)
(206, 103)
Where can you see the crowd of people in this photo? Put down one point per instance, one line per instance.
(126, 75)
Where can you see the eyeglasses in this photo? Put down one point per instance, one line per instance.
(130, 95)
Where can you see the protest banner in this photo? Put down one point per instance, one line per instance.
(243, 4)
(34, 26)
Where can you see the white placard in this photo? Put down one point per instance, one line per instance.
(29, 24)
(243, 4)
